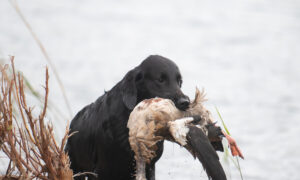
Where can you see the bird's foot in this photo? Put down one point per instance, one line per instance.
(235, 150)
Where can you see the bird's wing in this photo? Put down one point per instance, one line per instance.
(199, 145)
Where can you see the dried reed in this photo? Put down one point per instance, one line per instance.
(30, 144)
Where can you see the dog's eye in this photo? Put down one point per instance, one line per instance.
(161, 79)
(179, 82)
(139, 77)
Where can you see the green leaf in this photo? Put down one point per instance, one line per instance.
(236, 163)
(224, 125)
(32, 91)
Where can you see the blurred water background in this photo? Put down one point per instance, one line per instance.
(246, 54)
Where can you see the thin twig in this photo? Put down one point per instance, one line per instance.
(18, 10)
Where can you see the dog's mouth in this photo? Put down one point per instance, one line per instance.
(181, 101)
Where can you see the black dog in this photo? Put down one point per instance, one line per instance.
(101, 144)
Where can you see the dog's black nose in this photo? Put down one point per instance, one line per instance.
(183, 103)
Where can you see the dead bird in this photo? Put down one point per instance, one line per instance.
(154, 120)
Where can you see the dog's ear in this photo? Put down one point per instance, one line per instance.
(129, 88)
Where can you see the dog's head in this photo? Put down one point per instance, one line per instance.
(156, 76)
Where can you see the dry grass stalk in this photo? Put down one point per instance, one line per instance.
(30, 145)
(43, 49)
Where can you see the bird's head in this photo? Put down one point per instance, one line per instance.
(197, 108)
